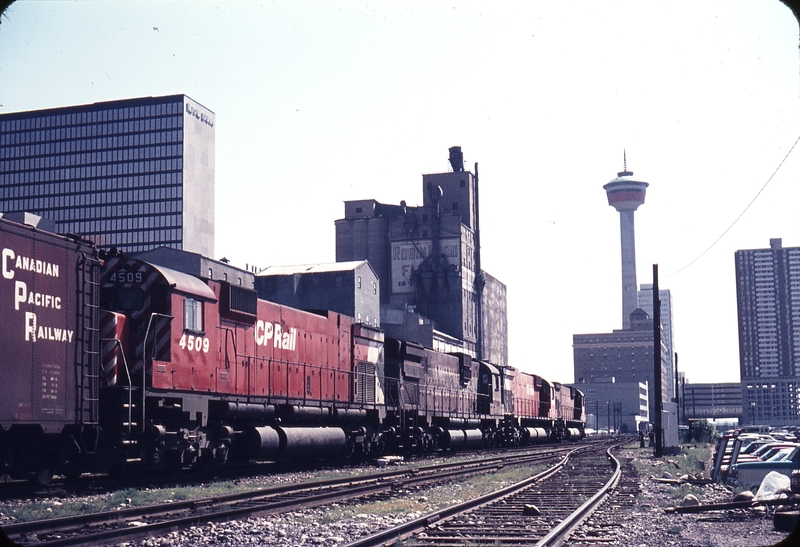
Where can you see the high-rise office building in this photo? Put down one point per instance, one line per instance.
(768, 297)
(134, 174)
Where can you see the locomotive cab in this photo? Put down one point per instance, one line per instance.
(490, 394)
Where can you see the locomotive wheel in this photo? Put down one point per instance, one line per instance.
(173, 461)
(378, 448)
(70, 464)
(206, 462)
(211, 459)
(43, 477)
(116, 470)
(7, 464)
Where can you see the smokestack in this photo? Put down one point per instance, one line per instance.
(456, 159)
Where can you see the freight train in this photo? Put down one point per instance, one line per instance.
(109, 362)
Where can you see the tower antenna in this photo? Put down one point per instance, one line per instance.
(625, 172)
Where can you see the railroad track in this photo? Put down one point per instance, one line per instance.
(602, 527)
(61, 487)
(87, 484)
(542, 510)
(135, 523)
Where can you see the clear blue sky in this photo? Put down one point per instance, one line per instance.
(321, 102)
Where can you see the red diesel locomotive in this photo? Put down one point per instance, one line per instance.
(112, 361)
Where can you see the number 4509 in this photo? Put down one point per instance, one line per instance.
(194, 343)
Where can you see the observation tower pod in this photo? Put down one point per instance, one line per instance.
(626, 195)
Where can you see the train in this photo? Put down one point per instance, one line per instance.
(111, 363)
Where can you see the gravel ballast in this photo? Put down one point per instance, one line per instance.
(643, 523)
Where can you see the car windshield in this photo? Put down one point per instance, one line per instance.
(780, 455)
(763, 450)
(752, 447)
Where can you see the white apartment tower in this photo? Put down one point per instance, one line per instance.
(768, 298)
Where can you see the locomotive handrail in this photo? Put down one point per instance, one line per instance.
(144, 355)
(230, 331)
(118, 342)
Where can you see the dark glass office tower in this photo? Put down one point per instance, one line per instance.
(134, 173)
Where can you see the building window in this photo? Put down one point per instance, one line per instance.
(359, 282)
(193, 315)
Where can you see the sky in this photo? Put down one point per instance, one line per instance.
(317, 103)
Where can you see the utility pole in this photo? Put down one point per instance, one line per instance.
(658, 402)
(480, 280)
(677, 391)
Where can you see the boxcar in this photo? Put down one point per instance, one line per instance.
(48, 365)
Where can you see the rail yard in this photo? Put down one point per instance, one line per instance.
(432, 502)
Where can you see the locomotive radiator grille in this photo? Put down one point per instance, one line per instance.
(365, 381)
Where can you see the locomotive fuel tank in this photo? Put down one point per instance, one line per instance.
(295, 442)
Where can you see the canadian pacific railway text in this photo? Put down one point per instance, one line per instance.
(12, 263)
(20, 262)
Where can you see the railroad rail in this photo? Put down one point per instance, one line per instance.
(603, 526)
(86, 484)
(134, 523)
(541, 510)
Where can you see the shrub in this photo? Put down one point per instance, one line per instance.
(702, 431)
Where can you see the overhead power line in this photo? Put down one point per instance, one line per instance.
(742, 213)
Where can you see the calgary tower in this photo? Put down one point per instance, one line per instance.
(626, 195)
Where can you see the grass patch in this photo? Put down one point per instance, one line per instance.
(434, 498)
(47, 509)
(691, 461)
(473, 487)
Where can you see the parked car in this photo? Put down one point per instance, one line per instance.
(749, 448)
(764, 452)
(752, 473)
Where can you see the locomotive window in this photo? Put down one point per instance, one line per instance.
(193, 315)
(121, 299)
